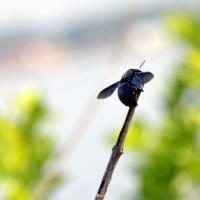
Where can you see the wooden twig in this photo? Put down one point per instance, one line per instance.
(117, 151)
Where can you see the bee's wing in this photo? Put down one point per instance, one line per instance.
(108, 91)
(146, 77)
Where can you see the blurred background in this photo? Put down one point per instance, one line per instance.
(56, 138)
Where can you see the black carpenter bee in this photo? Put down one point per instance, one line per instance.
(128, 87)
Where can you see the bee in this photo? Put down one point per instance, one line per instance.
(130, 84)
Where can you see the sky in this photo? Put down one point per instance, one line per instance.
(48, 11)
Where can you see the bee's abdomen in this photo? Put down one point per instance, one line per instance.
(126, 95)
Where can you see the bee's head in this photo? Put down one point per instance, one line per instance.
(129, 74)
(136, 71)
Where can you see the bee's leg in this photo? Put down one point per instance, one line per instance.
(140, 88)
(136, 90)
(134, 100)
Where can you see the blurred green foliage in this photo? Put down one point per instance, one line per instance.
(25, 146)
(169, 168)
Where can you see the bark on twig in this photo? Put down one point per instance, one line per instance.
(117, 151)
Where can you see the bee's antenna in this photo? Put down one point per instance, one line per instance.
(142, 64)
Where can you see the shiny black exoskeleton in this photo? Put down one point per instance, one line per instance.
(133, 80)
